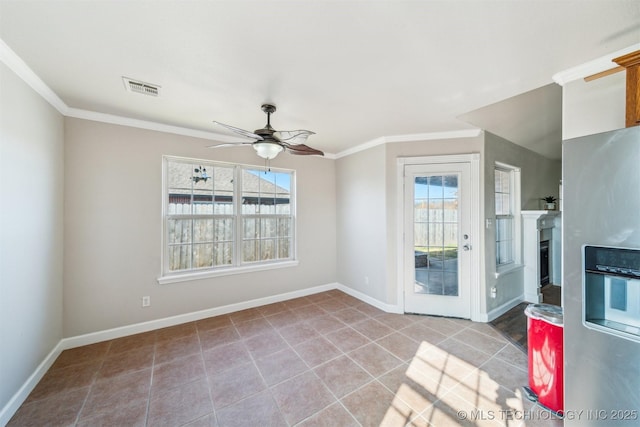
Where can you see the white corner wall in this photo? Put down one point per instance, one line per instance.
(593, 107)
(113, 228)
(31, 234)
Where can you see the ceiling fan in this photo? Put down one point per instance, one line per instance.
(270, 142)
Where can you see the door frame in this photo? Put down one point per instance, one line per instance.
(477, 240)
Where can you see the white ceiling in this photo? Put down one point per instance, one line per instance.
(351, 71)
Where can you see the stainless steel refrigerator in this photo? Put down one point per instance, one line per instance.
(601, 278)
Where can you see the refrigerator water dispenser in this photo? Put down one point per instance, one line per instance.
(611, 284)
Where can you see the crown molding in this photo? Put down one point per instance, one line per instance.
(22, 70)
(414, 137)
(453, 134)
(146, 124)
(364, 146)
(590, 68)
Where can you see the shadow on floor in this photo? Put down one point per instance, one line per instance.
(513, 324)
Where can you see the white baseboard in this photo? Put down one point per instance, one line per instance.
(499, 311)
(21, 395)
(533, 298)
(151, 325)
(389, 308)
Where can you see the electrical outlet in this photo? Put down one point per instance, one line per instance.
(146, 301)
(366, 280)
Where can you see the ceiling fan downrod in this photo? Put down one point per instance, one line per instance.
(268, 109)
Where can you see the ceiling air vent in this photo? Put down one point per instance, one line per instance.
(138, 86)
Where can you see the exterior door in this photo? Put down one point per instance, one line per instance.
(437, 240)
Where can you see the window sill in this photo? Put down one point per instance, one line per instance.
(185, 277)
(506, 269)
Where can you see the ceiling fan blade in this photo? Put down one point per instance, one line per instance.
(301, 149)
(293, 136)
(230, 144)
(239, 131)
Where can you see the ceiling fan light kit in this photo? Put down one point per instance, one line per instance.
(269, 142)
(267, 150)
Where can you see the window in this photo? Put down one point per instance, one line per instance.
(223, 218)
(507, 205)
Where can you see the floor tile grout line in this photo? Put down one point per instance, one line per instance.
(452, 390)
(495, 357)
(504, 361)
(91, 386)
(377, 378)
(206, 377)
(501, 339)
(84, 402)
(153, 365)
(266, 384)
(268, 387)
(337, 401)
(407, 364)
(446, 393)
(241, 340)
(474, 347)
(311, 370)
(446, 390)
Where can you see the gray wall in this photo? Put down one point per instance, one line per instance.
(362, 211)
(539, 177)
(31, 245)
(113, 227)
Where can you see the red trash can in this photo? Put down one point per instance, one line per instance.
(544, 338)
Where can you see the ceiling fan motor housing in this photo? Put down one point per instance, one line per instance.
(267, 131)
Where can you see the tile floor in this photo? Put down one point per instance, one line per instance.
(322, 360)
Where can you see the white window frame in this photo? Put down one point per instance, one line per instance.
(237, 266)
(515, 203)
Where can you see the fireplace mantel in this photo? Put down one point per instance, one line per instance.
(536, 226)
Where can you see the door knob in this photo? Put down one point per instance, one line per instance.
(466, 247)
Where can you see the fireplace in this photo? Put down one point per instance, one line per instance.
(544, 262)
